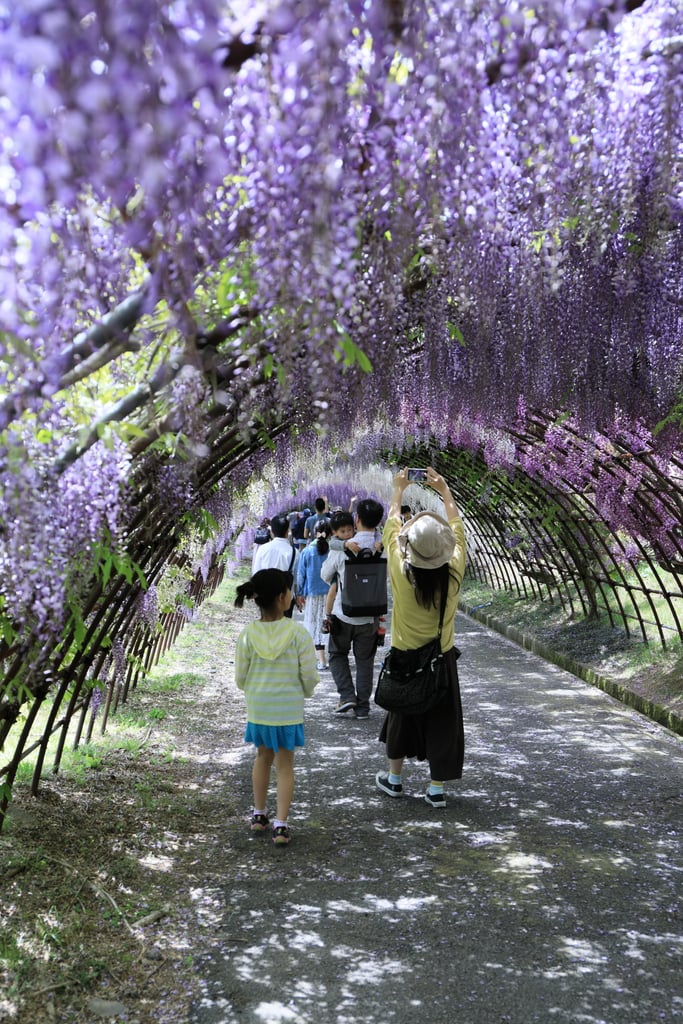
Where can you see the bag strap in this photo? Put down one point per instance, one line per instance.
(293, 557)
(442, 612)
(364, 556)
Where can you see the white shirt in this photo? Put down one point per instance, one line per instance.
(276, 554)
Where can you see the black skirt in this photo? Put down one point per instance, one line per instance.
(437, 736)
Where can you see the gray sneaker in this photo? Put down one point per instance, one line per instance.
(345, 705)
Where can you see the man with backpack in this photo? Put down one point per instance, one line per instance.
(297, 525)
(312, 522)
(353, 631)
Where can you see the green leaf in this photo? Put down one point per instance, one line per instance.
(225, 285)
(77, 624)
(455, 333)
(7, 630)
(129, 431)
(415, 260)
(351, 354)
(202, 521)
(538, 238)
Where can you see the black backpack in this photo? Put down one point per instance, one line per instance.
(298, 528)
(364, 584)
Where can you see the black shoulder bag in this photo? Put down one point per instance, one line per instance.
(290, 611)
(413, 682)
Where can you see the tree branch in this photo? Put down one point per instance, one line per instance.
(97, 360)
(119, 410)
(123, 318)
(104, 340)
(141, 395)
(668, 47)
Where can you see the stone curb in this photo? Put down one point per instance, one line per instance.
(656, 712)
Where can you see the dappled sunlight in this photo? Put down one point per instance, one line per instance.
(467, 793)
(565, 823)
(585, 954)
(548, 877)
(228, 757)
(637, 943)
(614, 860)
(208, 906)
(489, 838)
(157, 862)
(374, 970)
(379, 905)
(526, 864)
(271, 1013)
(305, 940)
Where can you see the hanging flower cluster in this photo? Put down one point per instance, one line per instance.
(355, 224)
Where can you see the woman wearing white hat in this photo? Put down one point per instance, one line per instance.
(425, 554)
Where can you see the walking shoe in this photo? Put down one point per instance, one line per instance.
(345, 705)
(436, 800)
(390, 788)
(362, 713)
(281, 835)
(259, 822)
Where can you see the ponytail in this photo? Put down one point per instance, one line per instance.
(322, 532)
(264, 588)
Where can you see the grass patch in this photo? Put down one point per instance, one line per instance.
(653, 672)
(171, 684)
(112, 841)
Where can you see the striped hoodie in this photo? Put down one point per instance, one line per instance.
(275, 666)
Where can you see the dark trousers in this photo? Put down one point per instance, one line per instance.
(363, 640)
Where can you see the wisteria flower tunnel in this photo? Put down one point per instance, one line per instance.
(252, 251)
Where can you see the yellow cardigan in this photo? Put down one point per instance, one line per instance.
(411, 624)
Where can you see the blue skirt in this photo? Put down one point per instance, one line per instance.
(275, 736)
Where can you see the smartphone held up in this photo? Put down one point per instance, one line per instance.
(417, 475)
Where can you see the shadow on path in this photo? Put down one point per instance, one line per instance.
(548, 890)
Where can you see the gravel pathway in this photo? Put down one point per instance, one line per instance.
(548, 890)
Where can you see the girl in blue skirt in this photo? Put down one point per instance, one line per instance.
(275, 666)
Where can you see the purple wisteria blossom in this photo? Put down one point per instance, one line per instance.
(253, 252)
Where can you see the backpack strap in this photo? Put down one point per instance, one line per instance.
(364, 555)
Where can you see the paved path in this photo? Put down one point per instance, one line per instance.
(548, 891)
